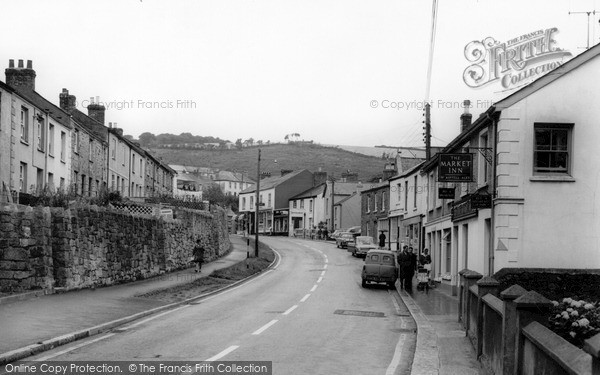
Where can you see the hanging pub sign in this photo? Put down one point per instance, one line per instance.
(446, 193)
(481, 201)
(455, 168)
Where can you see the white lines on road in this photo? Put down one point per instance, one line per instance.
(314, 288)
(45, 358)
(265, 327)
(222, 354)
(323, 273)
(306, 297)
(325, 267)
(320, 279)
(288, 311)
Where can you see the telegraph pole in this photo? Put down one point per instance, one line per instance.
(332, 204)
(427, 133)
(257, 205)
(592, 12)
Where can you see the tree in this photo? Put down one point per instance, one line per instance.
(147, 139)
(238, 143)
(259, 142)
(215, 195)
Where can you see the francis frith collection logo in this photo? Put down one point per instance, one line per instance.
(515, 62)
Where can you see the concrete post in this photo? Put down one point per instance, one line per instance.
(485, 285)
(592, 347)
(461, 294)
(471, 277)
(530, 307)
(509, 327)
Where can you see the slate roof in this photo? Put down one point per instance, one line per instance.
(56, 113)
(271, 182)
(312, 192)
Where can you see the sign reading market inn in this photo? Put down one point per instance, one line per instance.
(455, 168)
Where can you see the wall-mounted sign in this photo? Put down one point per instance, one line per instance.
(446, 193)
(481, 201)
(455, 168)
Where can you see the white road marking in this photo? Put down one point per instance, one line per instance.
(320, 279)
(288, 311)
(325, 267)
(222, 354)
(265, 327)
(152, 318)
(74, 347)
(397, 356)
(314, 288)
(323, 273)
(305, 297)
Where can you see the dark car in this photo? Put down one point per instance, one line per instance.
(343, 239)
(380, 267)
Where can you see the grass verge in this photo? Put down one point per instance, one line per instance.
(216, 280)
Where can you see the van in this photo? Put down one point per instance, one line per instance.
(380, 267)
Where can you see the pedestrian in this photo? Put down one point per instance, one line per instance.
(405, 264)
(382, 240)
(319, 233)
(198, 255)
(413, 265)
(325, 234)
(425, 258)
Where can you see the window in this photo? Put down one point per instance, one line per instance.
(406, 195)
(302, 203)
(76, 135)
(383, 201)
(39, 183)
(123, 151)
(310, 205)
(368, 203)
(114, 149)
(91, 153)
(24, 124)
(23, 178)
(294, 204)
(51, 180)
(552, 148)
(243, 203)
(62, 183)
(415, 193)
(51, 140)
(141, 166)
(133, 163)
(251, 202)
(112, 183)
(63, 146)
(375, 200)
(399, 189)
(268, 201)
(41, 139)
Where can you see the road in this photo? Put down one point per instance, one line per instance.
(309, 315)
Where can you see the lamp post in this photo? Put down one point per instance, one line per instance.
(257, 205)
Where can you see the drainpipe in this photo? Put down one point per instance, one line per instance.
(46, 149)
(492, 210)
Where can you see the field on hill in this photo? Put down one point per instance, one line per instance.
(274, 158)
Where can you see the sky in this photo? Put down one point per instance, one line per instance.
(342, 72)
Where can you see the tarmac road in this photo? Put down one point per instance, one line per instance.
(309, 315)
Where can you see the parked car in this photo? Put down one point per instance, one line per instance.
(343, 239)
(354, 230)
(336, 233)
(361, 245)
(380, 267)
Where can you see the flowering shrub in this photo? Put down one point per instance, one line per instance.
(575, 320)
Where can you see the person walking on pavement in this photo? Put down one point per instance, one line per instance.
(405, 264)
(382, 240)
(198, 255)
(413, 266)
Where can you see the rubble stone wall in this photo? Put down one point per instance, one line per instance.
(89, 246)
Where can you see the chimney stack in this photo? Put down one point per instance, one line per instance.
(96, 110)
(20, 77)
(67, 102)
(465, 118)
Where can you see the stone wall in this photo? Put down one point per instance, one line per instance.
(88, 246)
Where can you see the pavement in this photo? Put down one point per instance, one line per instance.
(41, 322)
(442, 345)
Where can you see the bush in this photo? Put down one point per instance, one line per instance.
(574, 320)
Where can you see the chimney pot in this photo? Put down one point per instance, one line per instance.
(97, 100)
(29, 64)
(11, 63)
(65, 91)
(91, 100)
(20, 63)
(20, 77)
(465, 118)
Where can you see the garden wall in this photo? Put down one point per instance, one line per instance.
(88, 246)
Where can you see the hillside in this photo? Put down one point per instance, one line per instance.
(287, 156)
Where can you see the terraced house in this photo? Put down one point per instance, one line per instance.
(35, 136)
